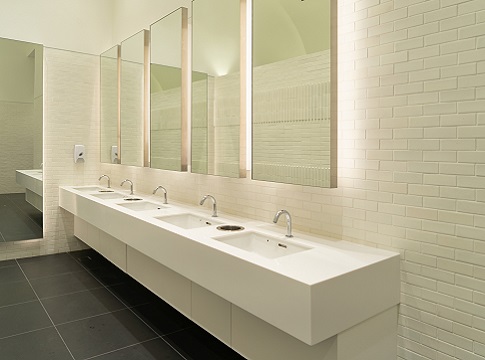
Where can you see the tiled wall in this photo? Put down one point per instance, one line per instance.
(71, 116)
(412, 136)
(16, 143)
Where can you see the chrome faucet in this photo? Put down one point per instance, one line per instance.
(131, 185)
(107, 177)
(288, 221)
(164, 193)
(214, 204)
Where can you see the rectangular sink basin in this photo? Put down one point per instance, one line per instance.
(188, 221)
(109, 195)
(88, 189)
(263, 245)
(142, 206)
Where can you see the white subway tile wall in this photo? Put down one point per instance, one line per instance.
(71, 117)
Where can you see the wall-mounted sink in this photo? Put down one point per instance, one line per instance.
(269, 247)
(109, 195)
(142, 206)
(188, 221)
(88, 188)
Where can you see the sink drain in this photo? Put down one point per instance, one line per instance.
(230, 227)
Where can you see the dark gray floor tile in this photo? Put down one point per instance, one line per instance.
(81, 305)
(90, 259)
(39, 345)
(110, 275)
(162, 318)
(197, 344)
(7, 263)
(105, 333)
(131, 293)
(151, 350)
(64, 284)
(17, 319)
(16, 292)
(11, 273)
(49, 265)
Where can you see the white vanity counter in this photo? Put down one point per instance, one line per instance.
(309, 287)
(32, 181)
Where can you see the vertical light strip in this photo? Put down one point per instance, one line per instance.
(333, 92)
(243, 145)
(119, 104)
(185, 90)
(146, 100)
(249, 83)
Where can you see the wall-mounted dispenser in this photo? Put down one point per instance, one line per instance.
(79, 152)
(114, 154)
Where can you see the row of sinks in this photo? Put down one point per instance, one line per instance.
(254, 242)
(309, 287)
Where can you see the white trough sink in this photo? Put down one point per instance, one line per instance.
(188, 221)
(313, 289)
(142, 206)
(264, 245)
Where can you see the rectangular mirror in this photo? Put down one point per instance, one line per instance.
(132, 100)
(109, 113)
(294, 92)
(218, 119)
(168, 118)
(21, 141)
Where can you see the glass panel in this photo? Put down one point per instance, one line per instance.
(166, 115)
(216, 85)
(109, 105)
(132, 99)
(292, 92)
(21, 140)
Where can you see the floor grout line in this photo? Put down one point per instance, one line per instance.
(52, 322)
(130, 309)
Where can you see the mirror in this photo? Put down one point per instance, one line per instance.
(168, 125)
(132, 100)
(21, 121)
(109, 62)
(294, 92)
(218, 120)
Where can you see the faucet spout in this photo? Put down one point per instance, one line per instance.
(214, 204)
(107, 177)
(164, 193)
(288, 221)
(131, 185)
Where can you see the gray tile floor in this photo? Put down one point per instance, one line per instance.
(79, 306)
(18, 219)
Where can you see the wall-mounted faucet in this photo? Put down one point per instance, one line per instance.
(164, 193)
(107, 177)
(288, 221)
(131, 185)
(214, 204)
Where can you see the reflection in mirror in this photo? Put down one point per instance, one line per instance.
(110, 105)
(132, 100)
(21, 121)
(168, 117)
(216, 87)
(294, 92)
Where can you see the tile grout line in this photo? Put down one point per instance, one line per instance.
(40, 301)
(130, 309)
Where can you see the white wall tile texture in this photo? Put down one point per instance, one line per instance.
(71, 116)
